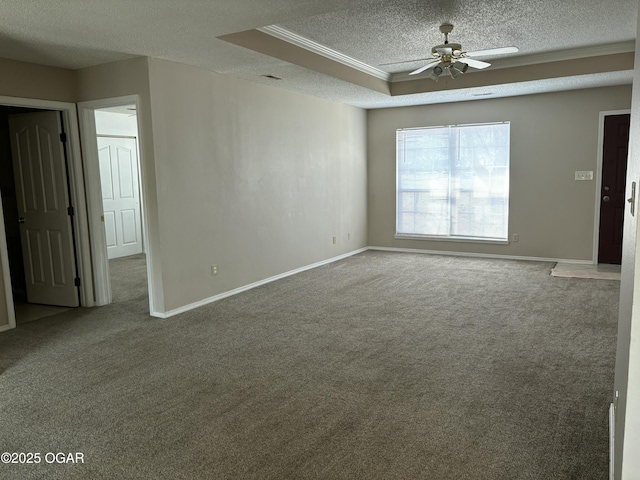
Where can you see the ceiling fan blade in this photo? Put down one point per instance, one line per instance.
(492, 51)
(425, 67)
(406, 61)
(472, 62)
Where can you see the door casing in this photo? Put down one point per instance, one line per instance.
(77, 194)
(4, 262)
(86, 115)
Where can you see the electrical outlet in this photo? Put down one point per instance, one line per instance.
(214, 270)
(334, 240)
(516, 237)
(349, 236)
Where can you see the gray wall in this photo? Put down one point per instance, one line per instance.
(258, 180)
(250, 177)
(552, 136)
(253, 178)
(27, 80)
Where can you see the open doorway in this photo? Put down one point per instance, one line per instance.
(115, 198)
(118, 158)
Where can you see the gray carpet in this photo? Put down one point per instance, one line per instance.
(379, 366)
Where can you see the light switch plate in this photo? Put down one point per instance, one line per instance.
(584, 175)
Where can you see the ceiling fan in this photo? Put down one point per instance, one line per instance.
(450, 59)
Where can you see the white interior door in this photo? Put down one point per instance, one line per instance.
(43, 206)
(120, 195)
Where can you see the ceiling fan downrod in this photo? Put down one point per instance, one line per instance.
(446, 29)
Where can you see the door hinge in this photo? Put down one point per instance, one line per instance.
(63, 137)
(70, 211)
(76, 281)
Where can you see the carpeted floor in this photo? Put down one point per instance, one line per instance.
(379, 366)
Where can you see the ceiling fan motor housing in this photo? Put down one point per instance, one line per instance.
(447, 49)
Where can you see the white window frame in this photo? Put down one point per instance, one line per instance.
(447, 238)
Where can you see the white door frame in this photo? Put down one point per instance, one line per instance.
(6, 277)
(86, 113)
(76, 187)
(598, 179)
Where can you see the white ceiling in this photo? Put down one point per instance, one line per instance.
(80, 33)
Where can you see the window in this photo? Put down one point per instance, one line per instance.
(453, 182)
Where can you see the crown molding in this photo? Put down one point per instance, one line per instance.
(567, 54)
(311, 46)
(497, 63)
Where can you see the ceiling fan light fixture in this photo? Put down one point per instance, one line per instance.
(436, 72)
(458, 68)
(454, 72)
(462, 67)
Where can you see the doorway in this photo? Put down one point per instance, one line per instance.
(117, 142)
(611, 199)
(38, 229)
(15, 276)
(115, 196)
(117, 139)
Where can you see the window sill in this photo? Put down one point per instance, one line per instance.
(492, 241)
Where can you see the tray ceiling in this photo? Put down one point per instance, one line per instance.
(79, 33)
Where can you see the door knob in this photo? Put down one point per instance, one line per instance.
(606, 198)
(21, 220)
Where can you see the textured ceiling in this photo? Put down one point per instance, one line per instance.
(400, 30)
(80, 33)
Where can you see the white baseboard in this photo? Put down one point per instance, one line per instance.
(250, 286)
(244, 288)
(4, 328)
(612, 438)
(481, 255)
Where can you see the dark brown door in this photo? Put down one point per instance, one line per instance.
(612, 195)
